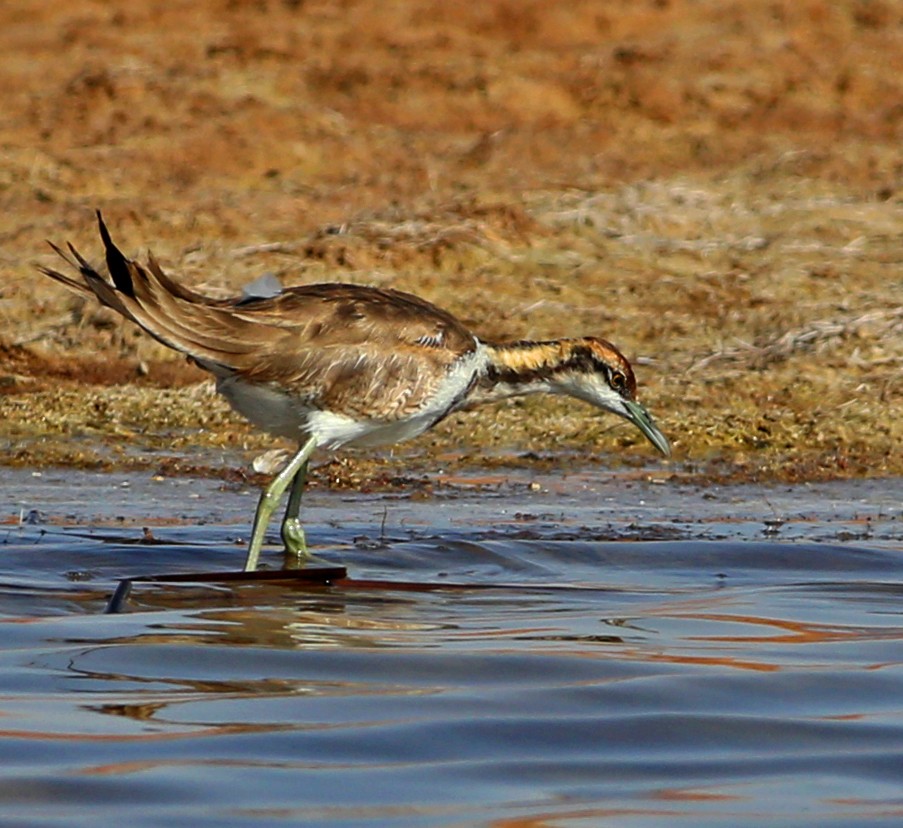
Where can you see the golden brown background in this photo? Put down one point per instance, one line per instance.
(715, 186)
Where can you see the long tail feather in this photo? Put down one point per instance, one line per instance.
(205, 329)
(117, 263)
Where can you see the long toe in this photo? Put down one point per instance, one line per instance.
(294, 539)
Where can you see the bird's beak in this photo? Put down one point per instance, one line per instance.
(639, 416)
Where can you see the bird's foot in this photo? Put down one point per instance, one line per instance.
(296, 549)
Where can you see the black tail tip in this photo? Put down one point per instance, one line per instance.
(104, 233)
(117, 263)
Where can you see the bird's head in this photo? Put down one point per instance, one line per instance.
(596, 372)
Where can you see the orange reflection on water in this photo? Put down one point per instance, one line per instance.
(794, 632)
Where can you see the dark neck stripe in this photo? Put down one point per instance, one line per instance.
(581, 360)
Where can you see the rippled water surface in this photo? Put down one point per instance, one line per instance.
(579, 651)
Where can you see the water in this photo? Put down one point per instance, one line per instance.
(579, 651)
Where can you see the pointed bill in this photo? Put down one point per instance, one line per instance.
(639, 416)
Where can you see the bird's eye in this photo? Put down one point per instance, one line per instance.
(618, 381)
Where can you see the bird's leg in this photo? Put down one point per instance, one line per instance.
(269, 500)
(292, 530)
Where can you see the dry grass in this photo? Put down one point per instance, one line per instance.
(714, 186)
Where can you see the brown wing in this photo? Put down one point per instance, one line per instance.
(355, 350)
(342, 347)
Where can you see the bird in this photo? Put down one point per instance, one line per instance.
(336, 365)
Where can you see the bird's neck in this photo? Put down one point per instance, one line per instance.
(516, 368)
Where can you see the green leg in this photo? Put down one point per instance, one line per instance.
(269, 500)
(292, 530)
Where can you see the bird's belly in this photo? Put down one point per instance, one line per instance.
(283, 415)
(334, 430)
(267, 408)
